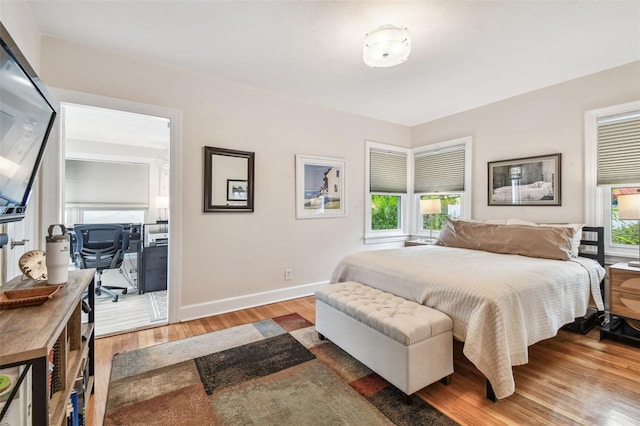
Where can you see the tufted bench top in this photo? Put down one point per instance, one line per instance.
(400, 319)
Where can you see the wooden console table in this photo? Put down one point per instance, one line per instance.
(28, 334)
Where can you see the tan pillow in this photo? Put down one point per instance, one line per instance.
(533, 241)
(576, 228)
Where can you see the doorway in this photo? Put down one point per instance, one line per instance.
(117, 171)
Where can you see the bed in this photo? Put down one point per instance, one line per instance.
(500, 302)
(534, 191)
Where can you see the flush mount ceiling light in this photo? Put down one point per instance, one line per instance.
(386, 46)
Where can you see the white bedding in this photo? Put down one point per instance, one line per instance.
(499, 303)
(531, 192)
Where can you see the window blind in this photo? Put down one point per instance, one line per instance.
(387, 172)
(439, 171)
(101, 182)
(619, 149)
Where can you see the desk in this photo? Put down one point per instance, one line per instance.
(152, 273)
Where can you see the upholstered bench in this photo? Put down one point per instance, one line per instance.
(408, 344)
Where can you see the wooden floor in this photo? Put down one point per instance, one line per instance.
(570, 379)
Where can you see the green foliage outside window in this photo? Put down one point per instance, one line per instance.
(384, 212)
(624, 231)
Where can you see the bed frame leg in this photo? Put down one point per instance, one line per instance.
(321, 336)
(446, 380)
(490, 394)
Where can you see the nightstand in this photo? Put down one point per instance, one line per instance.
(419, 242)
(624, 297)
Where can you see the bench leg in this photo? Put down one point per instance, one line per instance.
(321, 336)
(407, 399)
(446, 380)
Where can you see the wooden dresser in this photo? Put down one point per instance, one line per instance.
(624, 296)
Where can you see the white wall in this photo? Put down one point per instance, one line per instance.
(545, 121)
(228, 255)
(16, 18)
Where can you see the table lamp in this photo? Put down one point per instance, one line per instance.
(629, 209)
(162, 204)
(430, 207)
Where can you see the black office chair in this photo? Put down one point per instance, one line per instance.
(101, 247)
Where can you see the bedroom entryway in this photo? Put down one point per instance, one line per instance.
(117, 172)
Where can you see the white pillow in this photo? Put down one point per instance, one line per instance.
(496, 221)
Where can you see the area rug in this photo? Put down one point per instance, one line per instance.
(157, 305)
(272, 372)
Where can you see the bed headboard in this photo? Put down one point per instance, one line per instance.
(594, 238)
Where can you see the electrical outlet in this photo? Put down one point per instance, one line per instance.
(288, 274)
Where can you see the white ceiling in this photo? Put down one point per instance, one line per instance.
(88, 123)
(464, 54)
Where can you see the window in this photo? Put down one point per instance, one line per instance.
(624, 233)
(442, 171)
(112, 216)
(385, 212)
(387, 191)
(397, 178)
(450, 206)
(78, 215)
(612, 167)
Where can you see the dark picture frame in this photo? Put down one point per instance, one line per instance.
(237, 190)
(527, 181)
(222, 165)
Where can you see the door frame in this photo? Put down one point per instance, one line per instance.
(52, 182)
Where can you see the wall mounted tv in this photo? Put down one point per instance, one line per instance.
(27, 113)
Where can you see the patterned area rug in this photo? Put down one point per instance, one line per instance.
(272, 372)
(158, 305)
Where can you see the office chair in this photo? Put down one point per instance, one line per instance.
(101, 247)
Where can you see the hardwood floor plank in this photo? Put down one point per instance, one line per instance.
(570, 379)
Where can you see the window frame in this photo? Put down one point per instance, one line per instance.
(465, 196)
(419, 230)
(410, 217)
(597, 199)
(387, 235)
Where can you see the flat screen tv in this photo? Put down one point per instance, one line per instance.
(27, 113)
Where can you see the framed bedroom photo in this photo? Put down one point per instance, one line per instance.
(529, 181)
(237, 190)
(320, 187)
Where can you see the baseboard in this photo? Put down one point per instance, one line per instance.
(216, 307)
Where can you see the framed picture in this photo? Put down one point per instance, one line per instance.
(228, 180)
(237, 190)
(530, 181)
(320, 187)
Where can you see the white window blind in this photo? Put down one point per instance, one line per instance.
(439, 171)
(387, 172)
(619, 149)
(101, 182)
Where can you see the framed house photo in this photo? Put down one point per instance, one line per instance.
(320, 187)
(237, 190)
(529, 181)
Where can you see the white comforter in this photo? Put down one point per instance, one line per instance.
(499, 303)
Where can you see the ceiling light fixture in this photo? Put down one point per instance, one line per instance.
(386, 46)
